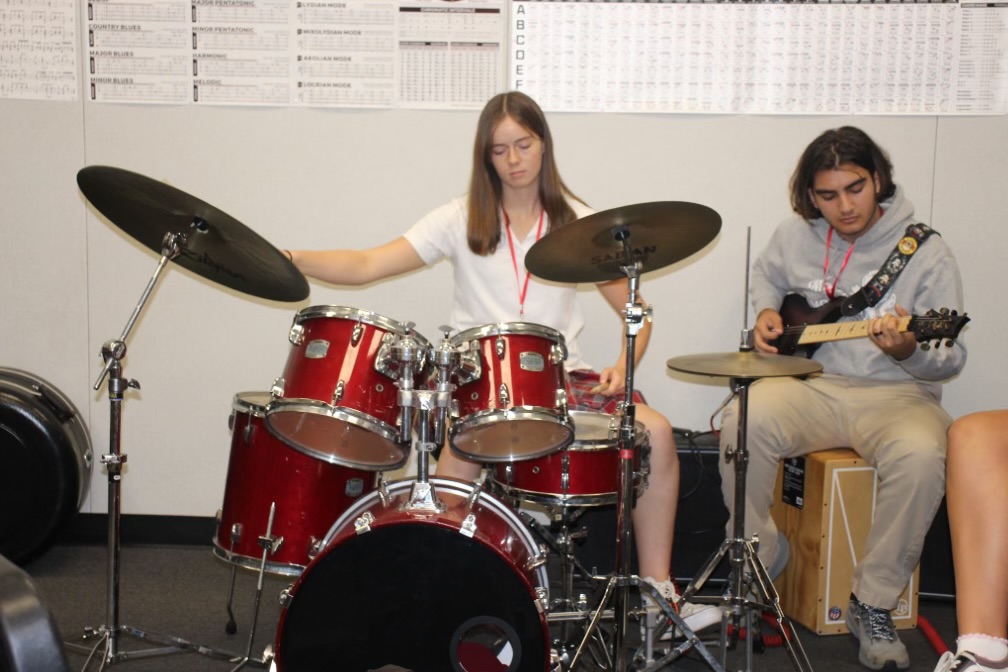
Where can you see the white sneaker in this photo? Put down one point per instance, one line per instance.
(966, 661)
(696, 616)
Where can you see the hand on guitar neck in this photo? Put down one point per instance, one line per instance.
(798, 329)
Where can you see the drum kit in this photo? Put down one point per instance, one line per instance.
(417, 571)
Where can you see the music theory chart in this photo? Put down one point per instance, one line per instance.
(38, 49)
(664, 56)
(874, 57)
(343, 53)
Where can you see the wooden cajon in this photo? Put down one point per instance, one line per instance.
(824, 504)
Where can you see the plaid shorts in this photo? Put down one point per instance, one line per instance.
(581, 398)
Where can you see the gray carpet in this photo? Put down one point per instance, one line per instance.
(182, 591)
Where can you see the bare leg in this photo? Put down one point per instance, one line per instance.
(977, 475)
(654, 515)
(452, 466)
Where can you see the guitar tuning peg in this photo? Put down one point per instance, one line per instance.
(949, 343)
(925, 346)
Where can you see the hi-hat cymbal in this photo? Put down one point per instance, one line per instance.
(215, 245)
(591, 249)
(744, 365)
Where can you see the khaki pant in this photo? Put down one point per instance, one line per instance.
(898, 428)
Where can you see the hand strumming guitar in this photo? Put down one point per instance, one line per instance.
(769, 327)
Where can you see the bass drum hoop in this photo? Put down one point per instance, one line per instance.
(37, 406)
(341, 530)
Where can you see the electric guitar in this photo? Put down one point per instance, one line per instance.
(806, 328)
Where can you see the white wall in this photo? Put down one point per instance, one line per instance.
(305, 178)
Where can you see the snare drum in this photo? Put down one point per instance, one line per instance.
(309, 494)
(338, 400)
(512, 401)
(414, 589)
(586, 473)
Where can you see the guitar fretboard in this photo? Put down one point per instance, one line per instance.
(839, 331)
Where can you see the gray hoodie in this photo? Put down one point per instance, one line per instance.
(792, 263)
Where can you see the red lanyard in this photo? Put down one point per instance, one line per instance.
(831, 289)
(523, 289)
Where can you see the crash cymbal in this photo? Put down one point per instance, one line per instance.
(216, 246)
(744, 365)
(591, 249)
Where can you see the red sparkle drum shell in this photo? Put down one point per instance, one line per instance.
(420, 590)
(586, 473)
(309, 494)
(337, 399)
(511, 393)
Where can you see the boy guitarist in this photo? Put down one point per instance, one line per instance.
(879, 395)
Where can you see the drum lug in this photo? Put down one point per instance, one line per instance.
(500, 347)
(296, 336)
(504, 395)
(561, 400)
(363, 524)
(383, 492)
(385, 363)
(277, 390)
(338, 393)
(542, 599)
(285, 596)
(470, 363)
(314, 546)
(558, 353)
(468, 527)
(236, 534)
(538, 561)
(565, 472)
(358, 331)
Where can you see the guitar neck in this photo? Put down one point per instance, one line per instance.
(839, 331)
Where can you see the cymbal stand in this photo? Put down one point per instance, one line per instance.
(433, 408)
(746, 566)
(113, 352)
(618, 587)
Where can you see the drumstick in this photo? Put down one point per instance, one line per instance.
(597, 389)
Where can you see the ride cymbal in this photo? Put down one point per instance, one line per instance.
(592, 249)
(744, 365)
(214, 244)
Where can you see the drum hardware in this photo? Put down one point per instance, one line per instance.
(202, 239)
(113, 352)
(616, 243)
(750, 588)
(510, 382)
(488, 590)
(336, 400)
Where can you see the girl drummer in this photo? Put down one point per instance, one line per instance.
(516, 196)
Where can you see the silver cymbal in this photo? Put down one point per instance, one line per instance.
(744, 365)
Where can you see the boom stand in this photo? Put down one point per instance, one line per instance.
(746, 566)
(113, 352)
(618, 586)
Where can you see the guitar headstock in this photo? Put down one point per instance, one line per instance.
(937, 325)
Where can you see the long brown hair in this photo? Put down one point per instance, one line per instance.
(485, 185)
(832, 149)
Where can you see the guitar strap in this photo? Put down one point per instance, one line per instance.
(875, 289)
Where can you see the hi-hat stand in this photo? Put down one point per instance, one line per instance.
(750, 588)
(109, 633)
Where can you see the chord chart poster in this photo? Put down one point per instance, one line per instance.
(875, 57)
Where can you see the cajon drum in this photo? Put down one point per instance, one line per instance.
(824, 505)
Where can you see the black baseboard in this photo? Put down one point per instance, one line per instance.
(92, 528)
